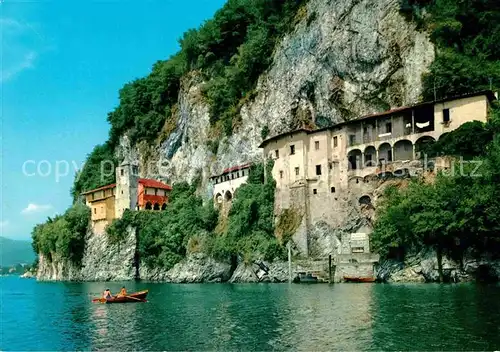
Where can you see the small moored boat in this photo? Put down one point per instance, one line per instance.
(130, 298)
(358, 279)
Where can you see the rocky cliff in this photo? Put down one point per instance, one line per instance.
(422, 267)
(344, 59)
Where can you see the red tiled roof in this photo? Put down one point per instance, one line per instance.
(113, 185)
(147, 182)
(234, 168)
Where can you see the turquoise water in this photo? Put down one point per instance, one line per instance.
(60, 316)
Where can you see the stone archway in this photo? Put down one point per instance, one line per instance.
(385, 153)
(365, 200)
(370, 156)
(423, 146)
(354, 158)
(164, 206)
(149, 206)
(156, 206)
(403, 150)
(218, 198)
(228, 196)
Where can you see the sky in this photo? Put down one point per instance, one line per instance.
(62, 64)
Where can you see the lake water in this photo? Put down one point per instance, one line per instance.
(60, 316)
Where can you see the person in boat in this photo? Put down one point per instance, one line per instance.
(123, 291)
(107, 294)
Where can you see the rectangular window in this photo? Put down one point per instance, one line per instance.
(156, 191)
(297, 171)
(242, 173)
(333, 189)
(281, 174)
(121, 171)
(365, 130)
(352, 139)
(95, 211)
(335, 142)
(315, 191)
(237, 174)
(292, 150)
(318, 170)
(388, 127)
(446, 115)
(316, 145)
(232, 176)
(277, 153)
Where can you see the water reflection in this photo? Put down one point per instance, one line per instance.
(456, 316)
(49, 317)
(327, 317)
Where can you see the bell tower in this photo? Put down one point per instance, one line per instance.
(127, 177)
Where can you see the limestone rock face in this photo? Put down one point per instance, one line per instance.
(102, 261)
(245, 273)
(422, 267)
(57, 269)
(261, 271)
(198, 268)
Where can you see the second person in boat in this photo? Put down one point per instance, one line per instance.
(123, 292)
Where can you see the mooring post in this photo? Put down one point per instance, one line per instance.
(329, 268)
(289, 262)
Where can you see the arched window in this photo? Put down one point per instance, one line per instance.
(403, 150)
(354, 157)
(149, 206)
(157, 206)
(164, 206)
(365, 200)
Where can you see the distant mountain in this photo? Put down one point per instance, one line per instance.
(14, 252)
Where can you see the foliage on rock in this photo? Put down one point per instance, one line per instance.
(250, 227)
(63, 235)
(467, 35)
(457, 212)
(163, 236)
(287, 224)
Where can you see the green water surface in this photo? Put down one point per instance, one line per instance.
(258, 317)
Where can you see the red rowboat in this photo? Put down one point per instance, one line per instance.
(358, 279)
(133, 297)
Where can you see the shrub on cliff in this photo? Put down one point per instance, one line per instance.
(467, 34)
(162, 236)
(63, 235)
(455, 213)
(98, 170)
(250, 229)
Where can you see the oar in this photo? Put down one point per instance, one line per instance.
(138, 299)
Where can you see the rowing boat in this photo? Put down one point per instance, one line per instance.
(133, 297)
(358, 279)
